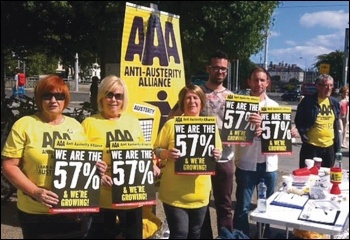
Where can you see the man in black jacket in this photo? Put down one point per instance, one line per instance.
(317, 120)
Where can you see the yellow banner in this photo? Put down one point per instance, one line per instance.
(151, 65)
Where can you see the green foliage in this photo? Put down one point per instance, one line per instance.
(289, 86)
(245, 67)
(276, 78)
(40, 63)
(237, 27)
(36, 64)
(294, 81)
(335, 59)
(60, 29)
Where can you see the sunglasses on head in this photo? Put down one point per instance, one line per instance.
(118, 96)
(58, 96)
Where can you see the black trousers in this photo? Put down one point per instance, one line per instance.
(309, 151)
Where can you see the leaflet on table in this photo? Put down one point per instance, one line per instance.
(236, 129)
(290, 200)
(276, 137)
(75, 178)
(325, 212)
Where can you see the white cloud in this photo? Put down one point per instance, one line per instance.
(334, 40)
(303, 56)
(290, 42)
(327, 30)
(274, 34)
(327, 19)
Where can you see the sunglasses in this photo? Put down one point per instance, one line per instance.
(58, 96)
(118, 96)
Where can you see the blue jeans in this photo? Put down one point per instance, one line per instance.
(184, 223)
(20, 91)
(247, 181)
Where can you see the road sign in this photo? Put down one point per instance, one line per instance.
(324, 68)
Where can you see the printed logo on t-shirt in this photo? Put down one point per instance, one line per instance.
(49, 140)
(326, 109)
(118, 136)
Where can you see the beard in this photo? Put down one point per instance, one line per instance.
(217, 81)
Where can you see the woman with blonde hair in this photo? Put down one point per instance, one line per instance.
(112, 123)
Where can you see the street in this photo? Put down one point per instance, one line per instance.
(287, 163)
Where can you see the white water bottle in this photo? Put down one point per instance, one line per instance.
(262, 188)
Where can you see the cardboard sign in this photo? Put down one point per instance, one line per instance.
(277, 134)
(195, 138)
(76, 179)
(132, 174)
(236, 129)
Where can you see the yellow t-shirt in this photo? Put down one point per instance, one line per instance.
(321, 133)
(33, 141)
(99, 129)
(184, 191)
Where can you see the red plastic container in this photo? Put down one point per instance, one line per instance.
(336, 177)
(314, 170)
(301, 172)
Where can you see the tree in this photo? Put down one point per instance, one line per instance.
(60, 29)
(335, 60)
(237, 27)
(294, 81)
(36, 64)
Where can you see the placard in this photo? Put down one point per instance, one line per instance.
(132, 174)
(195, 138)
(76, 179)
(236, 129)
(276, 137)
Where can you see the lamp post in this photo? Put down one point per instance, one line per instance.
(266, 46)
(76, 72)
(305, 68)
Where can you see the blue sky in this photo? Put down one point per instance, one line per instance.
(303, 30)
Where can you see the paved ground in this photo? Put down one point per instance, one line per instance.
(10, 227)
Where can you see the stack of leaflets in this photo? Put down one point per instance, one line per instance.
(290, 200)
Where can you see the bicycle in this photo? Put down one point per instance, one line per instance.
(12, 109)
(80, 113)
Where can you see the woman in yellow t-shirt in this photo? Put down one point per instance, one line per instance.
(185, 197)
(112, 123)
(28, 161)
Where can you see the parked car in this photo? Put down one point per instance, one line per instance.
(308, 89)
(291, 95)
(243, 91)
(199, 79)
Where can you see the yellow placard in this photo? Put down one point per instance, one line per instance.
(324, 68)
(151, 65)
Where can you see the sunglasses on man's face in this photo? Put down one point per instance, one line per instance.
(58, 96)
(118, 96)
